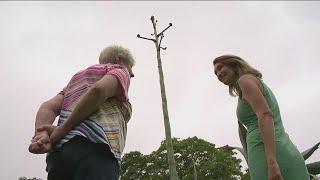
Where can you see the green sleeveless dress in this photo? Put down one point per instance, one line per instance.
(289, 159)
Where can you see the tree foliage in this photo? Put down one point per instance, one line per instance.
(209, 162)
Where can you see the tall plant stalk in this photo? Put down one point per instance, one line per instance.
(170, 153)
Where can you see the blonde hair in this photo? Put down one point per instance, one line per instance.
(111, 53)
(240, 68)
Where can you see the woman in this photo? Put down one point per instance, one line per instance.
(271, 154)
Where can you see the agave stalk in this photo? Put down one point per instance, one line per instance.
(195, 172)
(157, 41)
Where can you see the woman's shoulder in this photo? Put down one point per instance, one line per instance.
(248, 79)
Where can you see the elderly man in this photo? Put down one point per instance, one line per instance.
(93, 112)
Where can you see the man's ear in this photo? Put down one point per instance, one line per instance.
(119, 61)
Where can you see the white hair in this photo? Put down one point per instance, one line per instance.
(111, 53)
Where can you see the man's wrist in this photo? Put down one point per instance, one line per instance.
(64, 128)
(37, 132)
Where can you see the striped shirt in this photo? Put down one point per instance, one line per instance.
(109, 123)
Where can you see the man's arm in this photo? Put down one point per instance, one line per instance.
(46, 114)
(106, 87)
(48, 111)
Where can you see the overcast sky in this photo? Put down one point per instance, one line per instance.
(42, 44)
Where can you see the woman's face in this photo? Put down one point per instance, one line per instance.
(225, 73)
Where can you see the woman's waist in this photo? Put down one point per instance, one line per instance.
(254, 134)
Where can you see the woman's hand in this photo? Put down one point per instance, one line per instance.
(274, 171)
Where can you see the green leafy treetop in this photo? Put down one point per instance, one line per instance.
(191, 154)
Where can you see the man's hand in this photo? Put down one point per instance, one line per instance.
(55, 132)
(46, 114)
(40, 143)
